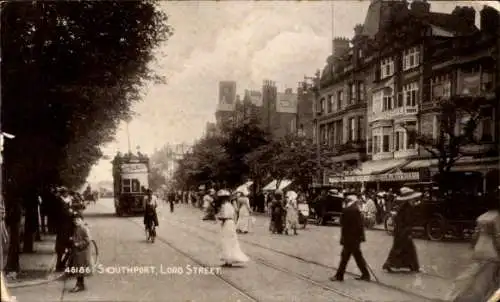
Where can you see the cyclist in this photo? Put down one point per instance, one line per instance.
(150, 210)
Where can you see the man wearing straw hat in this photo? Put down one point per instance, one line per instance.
(403, 253)
(352, 234)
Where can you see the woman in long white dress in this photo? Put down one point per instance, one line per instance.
(244, 219)
(231, 251)
(292, 214)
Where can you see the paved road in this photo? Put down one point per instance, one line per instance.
(272, 275)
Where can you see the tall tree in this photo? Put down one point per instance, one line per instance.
(70, 72)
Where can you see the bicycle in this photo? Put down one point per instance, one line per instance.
(150, 231)
(66, 259)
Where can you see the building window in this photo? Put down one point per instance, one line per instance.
(441, 87)
(352, 96)
(338, 133)
(340, 99)
(330, 103)
(376, 144)
(126, 185)
(293, 125)
(352, 129)
(411, 139)
(385, 143)
(399, 140)
(487, 130)
(387, 67)
(361, 92)
(361, 128)
(410, 92)
(322, 104)
(435, 127)
(411, 58)
(387, 103)
(331, 134)
(360, 53)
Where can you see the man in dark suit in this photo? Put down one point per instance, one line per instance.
(352, 234)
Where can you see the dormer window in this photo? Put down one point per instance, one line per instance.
(411, 58)
(387, 67)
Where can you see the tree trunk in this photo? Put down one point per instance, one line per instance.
(30, 224)
(13, 223)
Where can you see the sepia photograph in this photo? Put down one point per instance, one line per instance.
(249, 151)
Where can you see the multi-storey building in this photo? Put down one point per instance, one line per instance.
(305, 109)
(406, 58)
(341, 110)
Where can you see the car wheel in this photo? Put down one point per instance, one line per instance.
(389, 224)
(436, 228)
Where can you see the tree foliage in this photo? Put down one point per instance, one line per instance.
(70, 72)
(292, 157)
(458, 118)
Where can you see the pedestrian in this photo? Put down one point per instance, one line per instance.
(403, 253)
(81, 256)
(231, 250)
(292, 216)
(171, 200)
(277, 213)
(208, 205)
(64, 227)
(244, 218)
(352, 235)
(482, 277)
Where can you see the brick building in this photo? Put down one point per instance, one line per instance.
(401, 61)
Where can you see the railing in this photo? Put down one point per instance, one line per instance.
(391, 114)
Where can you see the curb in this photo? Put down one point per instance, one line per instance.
(36, 282)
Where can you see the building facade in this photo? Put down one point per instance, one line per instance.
(224, 114)
(400, 63)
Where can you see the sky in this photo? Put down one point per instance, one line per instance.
(242, 41)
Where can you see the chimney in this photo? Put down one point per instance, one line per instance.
(358, 30)
(490, 19)
(420, 7)
(466, 15)
(340, 46)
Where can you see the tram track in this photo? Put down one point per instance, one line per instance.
(301, 259)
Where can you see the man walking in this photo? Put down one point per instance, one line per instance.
(171, 200)
(352, 234)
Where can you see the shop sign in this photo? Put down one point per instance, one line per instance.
(400, 176)
(357, 178)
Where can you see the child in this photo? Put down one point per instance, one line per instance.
(80, 262)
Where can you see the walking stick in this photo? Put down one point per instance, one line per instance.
(371, 272)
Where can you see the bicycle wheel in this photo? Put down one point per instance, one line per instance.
(94, 253)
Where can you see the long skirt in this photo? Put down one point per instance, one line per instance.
(292, 219)
(231, 251)
(277, 222)
(477, 283)
(403, 253)
(244, 220)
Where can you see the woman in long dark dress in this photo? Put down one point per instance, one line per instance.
(277, 213)
(403, 253)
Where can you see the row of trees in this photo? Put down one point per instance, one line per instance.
(70, 72)
(244, 152)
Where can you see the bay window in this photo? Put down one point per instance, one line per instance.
(441, 87)
(410, 92)
(399, 140)
(385, 143)
(411, 139)
(387, 103)
(411, 58)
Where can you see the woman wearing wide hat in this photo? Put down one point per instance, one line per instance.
(231, 251)
(403, 253)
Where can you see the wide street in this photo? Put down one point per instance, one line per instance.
(282, 268)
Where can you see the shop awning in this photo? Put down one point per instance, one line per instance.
(367, 169)
(272, 185)
(245, 185)
(419, 164)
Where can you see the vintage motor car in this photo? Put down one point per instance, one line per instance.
(443, 213)
(327, 207)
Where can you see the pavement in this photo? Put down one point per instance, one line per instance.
(282, 268)
(35, 267)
